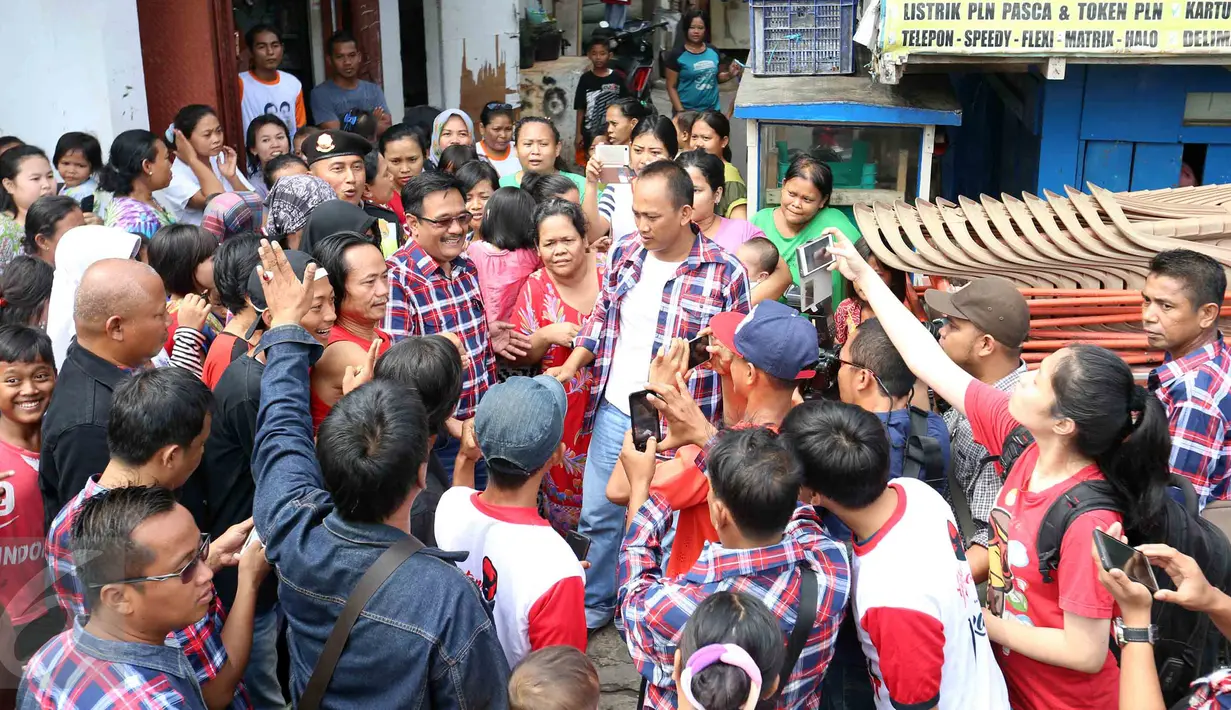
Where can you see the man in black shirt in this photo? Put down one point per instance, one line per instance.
(229, 486)
(120, 314)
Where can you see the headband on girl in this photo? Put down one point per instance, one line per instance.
(729, 654)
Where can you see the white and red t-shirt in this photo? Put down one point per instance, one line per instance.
(22, 558)
(523, 567)
(1015, 586)
(918, 611)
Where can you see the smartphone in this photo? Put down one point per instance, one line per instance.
(697, 352)
(614, 159)
(579, 543)
(814, 255)
(1116, 555)
(645, 419)
(252, 537)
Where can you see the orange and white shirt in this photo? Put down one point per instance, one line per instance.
(283, 98)
(507, 164)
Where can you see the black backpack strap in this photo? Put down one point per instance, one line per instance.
(1014, 444)
(1081, 498)
(381, 569)
(923, 458)
(804, 622)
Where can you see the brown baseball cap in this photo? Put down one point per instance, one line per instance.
(992, 303)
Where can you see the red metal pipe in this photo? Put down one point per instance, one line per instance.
(1131, 343)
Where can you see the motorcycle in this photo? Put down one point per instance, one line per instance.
(634, 55)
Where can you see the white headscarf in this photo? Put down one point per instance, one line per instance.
(78, 250)
(438, 127)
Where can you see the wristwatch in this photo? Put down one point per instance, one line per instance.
(1127, 634)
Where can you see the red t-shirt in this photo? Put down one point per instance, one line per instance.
(218, 359)
(1014, 580)
(22, 554)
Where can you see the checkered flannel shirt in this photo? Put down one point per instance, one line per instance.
(201, 642)
(980, 481)
(1196, 390)
(424, 301)
(652, 610)
(709, 282)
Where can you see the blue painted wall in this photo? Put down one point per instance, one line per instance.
(1121, 127)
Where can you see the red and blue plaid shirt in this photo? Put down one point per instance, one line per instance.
(201, 643)
(1196, 390)
(423, 300)
(79, 670)
(653, 610)
(709, 282)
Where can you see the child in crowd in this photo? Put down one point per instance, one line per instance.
(30, 376)
(855, 309)
(378, 192)
(455, 156)
(597, 89)
(77, 157)
(683, 127)
(25, 289)
(730, 654)
(554, 678)
(759, 257)
(303, 135)
(361, 123)
(282, 165)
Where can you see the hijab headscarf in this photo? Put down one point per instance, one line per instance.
(438, 127)
(78, 250)
(230, 213)
(291, 200)
(333, 217)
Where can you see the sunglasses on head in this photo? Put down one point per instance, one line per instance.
(185, 574)
(498, 106)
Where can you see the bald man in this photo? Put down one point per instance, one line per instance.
(120, 313)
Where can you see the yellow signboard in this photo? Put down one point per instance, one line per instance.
(1056, 27)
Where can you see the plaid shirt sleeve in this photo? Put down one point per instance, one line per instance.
(1198, 430)
(202, 643)
(592, 327)
(68, 589)
(399, 317)
(649, 614)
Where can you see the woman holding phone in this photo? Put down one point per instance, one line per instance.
(1090, 421)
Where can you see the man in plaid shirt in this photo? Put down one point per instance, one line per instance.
(665, 282)
(157, 429)
(1181, 302)
(985, 325)
(768, 542)
(434, 290)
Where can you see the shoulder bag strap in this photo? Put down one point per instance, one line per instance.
(804, 622)
(372, 580)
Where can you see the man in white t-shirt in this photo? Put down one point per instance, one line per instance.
(915, 602)
(521, 564)
(666, 283)
(265, 89)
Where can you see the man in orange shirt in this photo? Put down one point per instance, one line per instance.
(265, 89)
(760, 357)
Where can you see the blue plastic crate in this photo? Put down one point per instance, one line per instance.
(802, 38)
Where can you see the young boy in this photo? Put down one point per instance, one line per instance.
(596, 90)
(377, 193)
(554, 678)
(29, 372)
(759, 257)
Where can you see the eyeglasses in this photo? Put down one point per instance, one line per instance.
(462, 220)
(836, 363)
(185, 574)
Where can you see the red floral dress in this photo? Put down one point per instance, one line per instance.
(539, 305)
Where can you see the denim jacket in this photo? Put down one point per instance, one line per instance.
(425, 638)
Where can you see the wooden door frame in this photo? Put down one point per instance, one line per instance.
(227, 70)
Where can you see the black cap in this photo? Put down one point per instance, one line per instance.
(256, 287)
(331, 144)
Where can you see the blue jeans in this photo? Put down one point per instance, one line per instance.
(447, 448)
(602, 520)
(615, 16)
(261, 675)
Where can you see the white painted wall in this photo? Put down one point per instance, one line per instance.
(73, 65)
(479, 23)
(391, 57)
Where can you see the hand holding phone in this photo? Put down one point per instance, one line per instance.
(644, 417)
(579, 543)
(1114, 554)
(698, 351)
(615, 163)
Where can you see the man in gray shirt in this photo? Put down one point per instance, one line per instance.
(334, 97)
(987, 322)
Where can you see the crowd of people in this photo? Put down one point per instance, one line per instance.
(353, 423)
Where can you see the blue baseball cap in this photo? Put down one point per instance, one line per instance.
(520, 423)
(773, 337)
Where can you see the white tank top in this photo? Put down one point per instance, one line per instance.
(278, 99)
